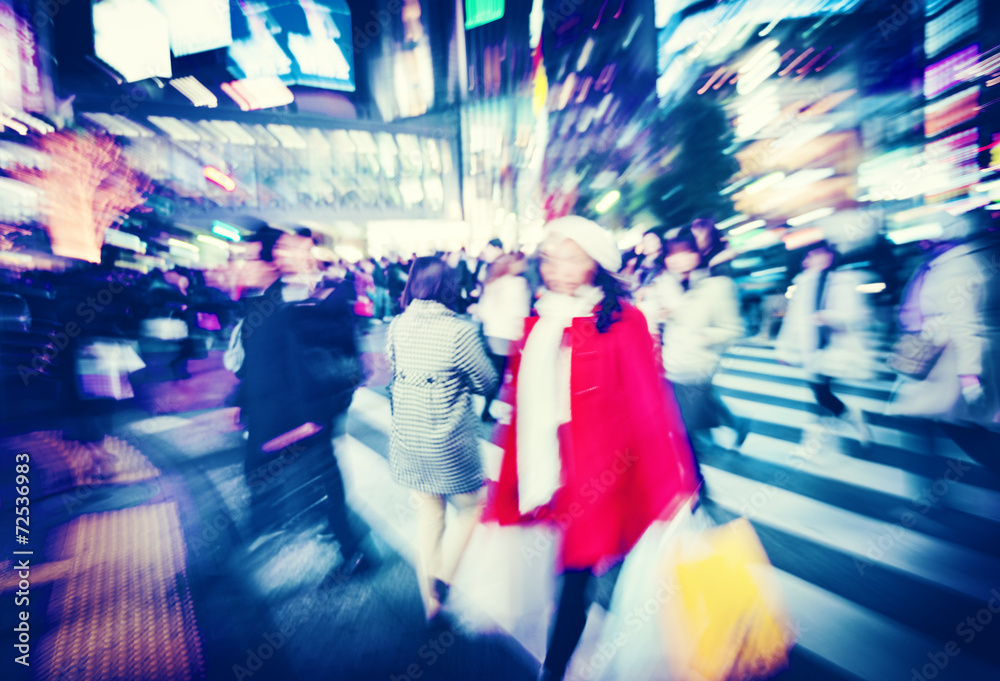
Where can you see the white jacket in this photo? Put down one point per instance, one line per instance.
(503, 307)
(957, 303)
(849, 352)
(700, 323)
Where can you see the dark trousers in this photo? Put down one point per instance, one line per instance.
(825, 397)
(320, 451)
(266, 474)
(500, 365)
(570, 620)
(701, 407)
(271, 476)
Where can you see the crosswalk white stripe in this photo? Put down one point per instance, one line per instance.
(785, 371)
(862, 642)
(817, 612)
(909, 487)
(937, 561)
(761, 386)
(797, 418)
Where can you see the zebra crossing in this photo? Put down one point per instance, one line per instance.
(884, 552)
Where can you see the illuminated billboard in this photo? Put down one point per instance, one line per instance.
(133, 38)
(479, 12)
(303, 42)
(196, 25)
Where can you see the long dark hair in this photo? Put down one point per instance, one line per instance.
(614, 293)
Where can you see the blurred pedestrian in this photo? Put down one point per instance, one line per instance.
(588, 405)
(302, 349)
(700, 316)
(381, 299)
(825, 332)
(711, 245)
(949, 356)
(438, 362)
(651, 264)
(502, 308)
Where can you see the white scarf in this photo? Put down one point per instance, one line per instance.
(543, 394)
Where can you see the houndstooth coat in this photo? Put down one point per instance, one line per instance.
(438, 362)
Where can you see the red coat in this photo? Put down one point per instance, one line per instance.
(625, 455)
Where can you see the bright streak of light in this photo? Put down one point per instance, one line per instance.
(227, 231)
(213, 174)
(810, 216)
(182, 244)
(588, 47)
(609, 199)
(762, 51)
(770, 27)
(748, 227)
(768, 272)
(193, 89)
(871, 288)
(211, 240)
(729, 222)
(765, 182)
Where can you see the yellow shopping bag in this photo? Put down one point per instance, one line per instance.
(727, 620)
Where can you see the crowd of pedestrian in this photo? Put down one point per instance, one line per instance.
(582, 354)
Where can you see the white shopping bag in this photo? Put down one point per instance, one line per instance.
(631, 641)
(508, 573)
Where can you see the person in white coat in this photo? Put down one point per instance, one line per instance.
(952, 302)
(700, 316)
(503, 306)
(824, 332)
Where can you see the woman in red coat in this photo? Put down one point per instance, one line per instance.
(595, 444)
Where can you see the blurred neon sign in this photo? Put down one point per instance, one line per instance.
(213, 174)
(479, 12)
(951, 111)
(950, 71)
(224, 230)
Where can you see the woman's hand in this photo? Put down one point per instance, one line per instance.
(972, 388)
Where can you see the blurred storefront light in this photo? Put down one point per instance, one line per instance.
(762, 69)
(748, 227)
(805, 218)
(765, 182)
(212, 241)
(804, 178)
(177, 130)
(198, 94)
(227, 231)
(182, 245)
(729, 222)
(265, 92)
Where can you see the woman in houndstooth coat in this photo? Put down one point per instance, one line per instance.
(438, 362)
